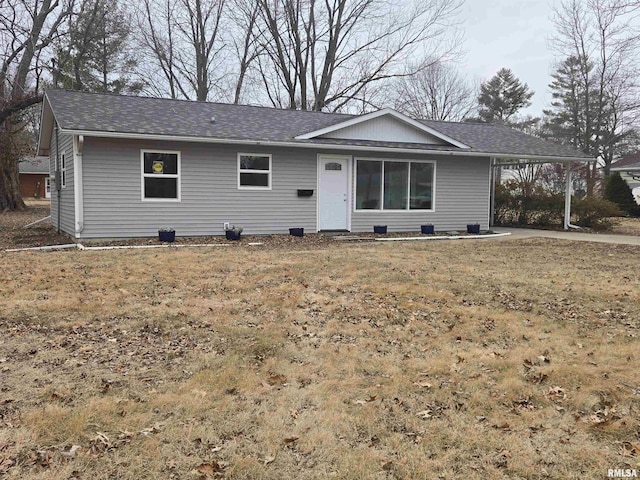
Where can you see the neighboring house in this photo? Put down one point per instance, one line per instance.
(629, 169)
(129, 165)
(34, 177)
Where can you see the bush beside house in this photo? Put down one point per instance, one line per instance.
(619, 192)
(544, 209)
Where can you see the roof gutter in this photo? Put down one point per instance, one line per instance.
(271, 143)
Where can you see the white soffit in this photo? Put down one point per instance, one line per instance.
(385, 125)
(46, 128)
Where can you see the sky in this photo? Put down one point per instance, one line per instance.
(512, 34)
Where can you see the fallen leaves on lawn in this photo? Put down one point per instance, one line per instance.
(423, 384)
(71, 452)
(276, 380)
(368, 400)
(630, 449)
(425, 414)
(211, 469)
(556, 393)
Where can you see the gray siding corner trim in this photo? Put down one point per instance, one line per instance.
(66, 205)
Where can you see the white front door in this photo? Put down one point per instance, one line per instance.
(333, 193)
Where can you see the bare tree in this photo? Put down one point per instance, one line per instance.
(244, 14)
(183, 40)
(596, 91)
(324, 55)
(439, 92)
(26, 29)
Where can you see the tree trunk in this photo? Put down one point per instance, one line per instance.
(10, 196)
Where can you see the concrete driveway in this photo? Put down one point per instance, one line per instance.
(575, 235)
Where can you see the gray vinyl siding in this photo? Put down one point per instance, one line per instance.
(67, 206)
(113, 205)
(462, 197)
(209, 191)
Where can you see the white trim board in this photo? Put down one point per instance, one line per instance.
(393, 210)
(319, 146)
(177, 176)
(350, 189)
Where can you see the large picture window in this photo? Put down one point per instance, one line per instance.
(394, 185)
(254, 171)
(160, 175)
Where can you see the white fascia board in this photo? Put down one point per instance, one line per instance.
(318, 146)
(45, 107)
(630, 168)
(385, 111)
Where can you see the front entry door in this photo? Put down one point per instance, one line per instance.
(333, 208)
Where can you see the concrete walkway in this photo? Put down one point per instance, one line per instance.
(575, 235)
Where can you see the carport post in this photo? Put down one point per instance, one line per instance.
(492, 194)
(567, 199)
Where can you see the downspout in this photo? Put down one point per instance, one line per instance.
(567, 200)
(78, 148)
(58, 176)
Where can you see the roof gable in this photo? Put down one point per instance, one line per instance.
(47, 121)
(385, 125)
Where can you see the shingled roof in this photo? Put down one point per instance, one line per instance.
(628, 162)
(104, 113)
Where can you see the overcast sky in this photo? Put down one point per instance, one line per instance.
(512, 34)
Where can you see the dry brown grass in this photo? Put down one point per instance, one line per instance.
(627, 226)
(493, 359)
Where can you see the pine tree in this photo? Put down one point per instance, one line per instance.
(570, 121)
(94, 55)
(502, 97)
(618, 192)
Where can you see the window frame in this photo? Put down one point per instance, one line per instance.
(383, 169)
(247, 170)
(177, 176)
(63, 169)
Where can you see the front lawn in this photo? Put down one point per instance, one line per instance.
(495, 359)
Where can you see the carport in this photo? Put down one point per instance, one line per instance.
(524, 160)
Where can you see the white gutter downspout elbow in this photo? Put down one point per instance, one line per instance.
(567, 200)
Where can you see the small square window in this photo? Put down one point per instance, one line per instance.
(160, 175)
(254, 171)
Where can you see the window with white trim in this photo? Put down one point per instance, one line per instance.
(254, 171)
(394, 185)
(160, 175)
(63, 170)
